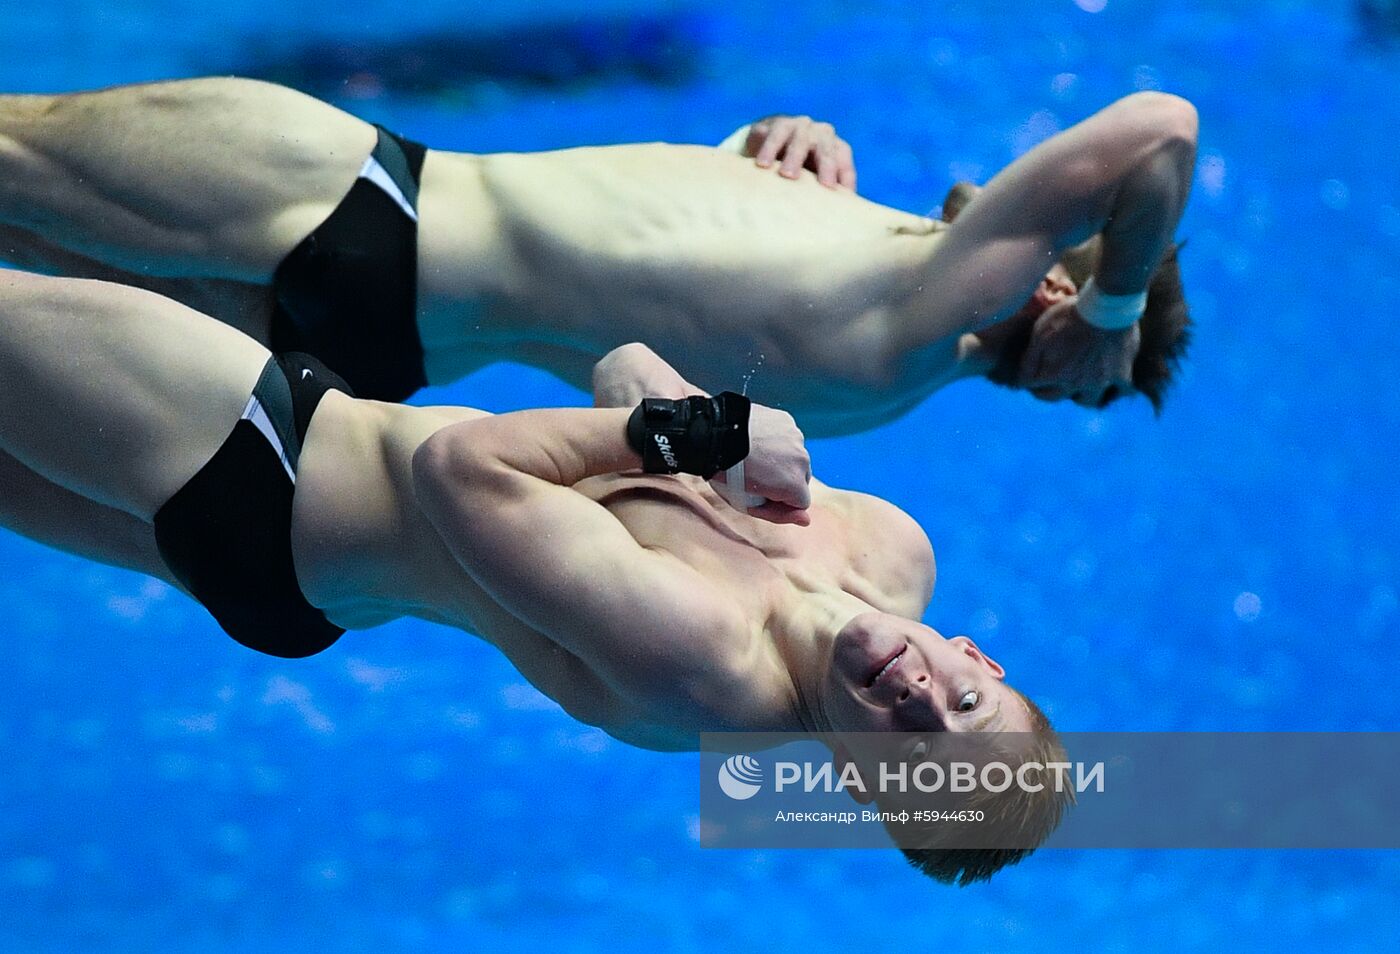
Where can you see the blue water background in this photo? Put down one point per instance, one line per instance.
(1232, 565)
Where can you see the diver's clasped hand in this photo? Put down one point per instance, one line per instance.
(801, 143)
(777, 468)
(628, 373)
(698, 435)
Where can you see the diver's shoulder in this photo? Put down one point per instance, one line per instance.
(889, 548)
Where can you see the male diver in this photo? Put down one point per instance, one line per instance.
(584, 543)
(397, 265)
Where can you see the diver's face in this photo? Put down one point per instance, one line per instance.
(1055, 287)
(1056, 346)
(890, 674)
(1052, 346)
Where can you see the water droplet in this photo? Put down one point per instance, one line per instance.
(1248, 606)
(1335, 195)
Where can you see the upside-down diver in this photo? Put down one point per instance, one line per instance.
(398, 265)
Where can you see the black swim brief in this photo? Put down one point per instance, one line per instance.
(227, 534)
(348, 292)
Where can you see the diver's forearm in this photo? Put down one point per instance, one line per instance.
(1145, 213)
(558, 445)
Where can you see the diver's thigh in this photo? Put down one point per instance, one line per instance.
(57, 517)
(215, 177)
(243, 305)
(115, 393)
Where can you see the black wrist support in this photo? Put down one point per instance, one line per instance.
(697, 435)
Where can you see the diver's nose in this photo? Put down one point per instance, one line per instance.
(915, 700)
(919, 707)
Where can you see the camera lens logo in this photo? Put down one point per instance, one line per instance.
(740, 777)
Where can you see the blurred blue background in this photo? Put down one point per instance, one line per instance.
(1232, 565)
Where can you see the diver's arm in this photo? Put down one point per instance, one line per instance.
(1124, 172)
(500, 492)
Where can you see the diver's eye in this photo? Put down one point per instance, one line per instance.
(919, 750)
(969, 701)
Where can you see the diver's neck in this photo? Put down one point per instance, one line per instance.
(803, 635)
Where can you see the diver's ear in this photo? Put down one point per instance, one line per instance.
(1053, 288)
(844, 764)
(982, 659)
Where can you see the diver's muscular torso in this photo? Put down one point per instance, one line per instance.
(723, 265)
(366, 554)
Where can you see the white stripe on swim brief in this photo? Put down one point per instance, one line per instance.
(255, 413)
(377, 174)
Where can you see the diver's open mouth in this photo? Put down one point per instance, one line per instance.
(885, 667)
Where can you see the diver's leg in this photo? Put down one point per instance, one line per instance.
(115, 393)
(244, 305)
(215, 178)
(52, 515)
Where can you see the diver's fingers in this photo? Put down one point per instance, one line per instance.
(780, 130)
(798, 149)
(828, 170)
(846, 165)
